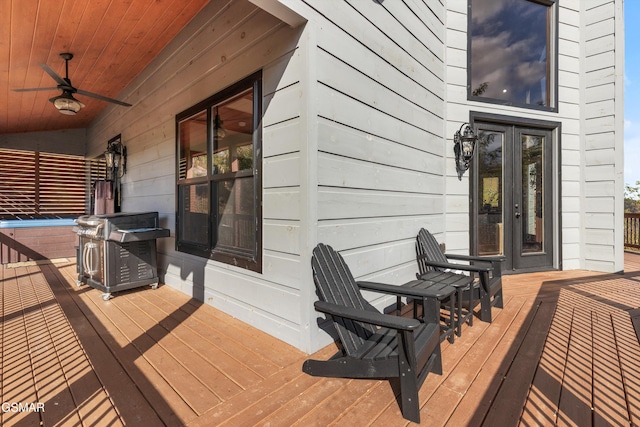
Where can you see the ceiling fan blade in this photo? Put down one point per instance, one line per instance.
(55, 76)
(34, 89)
(102, 98)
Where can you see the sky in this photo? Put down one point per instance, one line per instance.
(632, 92)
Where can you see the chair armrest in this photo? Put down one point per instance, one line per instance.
(495, 261)
(370, 317)
(490, 259)
(454, 266)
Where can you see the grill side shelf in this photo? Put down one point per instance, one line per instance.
(134, 235)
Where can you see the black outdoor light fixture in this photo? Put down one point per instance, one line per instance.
(220, 131)
(464, 144)
(66, 103)
(116, 157)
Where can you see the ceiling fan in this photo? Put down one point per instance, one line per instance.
(65, 102)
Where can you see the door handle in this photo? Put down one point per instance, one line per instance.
(517, 214)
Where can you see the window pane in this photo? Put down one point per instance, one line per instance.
(233, 134)
(221, 161)
(194, 213)
(244, 154)
(236, 215)
(510, 51)
(193, 146)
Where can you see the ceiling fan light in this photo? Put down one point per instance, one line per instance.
(67, 104)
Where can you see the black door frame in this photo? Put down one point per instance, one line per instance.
(556, 161)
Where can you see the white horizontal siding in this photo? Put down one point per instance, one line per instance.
(338, 171)
(602, 134)
(281, 203)
(412, 108)
(346, 141)
(342, 109)
(356, 233)
(281, 138)
(379, 101)
(339, 203)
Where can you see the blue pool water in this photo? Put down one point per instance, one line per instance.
(28, 223)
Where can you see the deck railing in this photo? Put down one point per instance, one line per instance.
(632, 230)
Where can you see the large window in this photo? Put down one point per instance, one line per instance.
(512, 52)
(219, 191)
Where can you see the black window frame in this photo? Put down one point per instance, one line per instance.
(552, 66)
(252, 261)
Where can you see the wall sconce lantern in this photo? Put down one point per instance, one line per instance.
(464, 144)
(116, 158)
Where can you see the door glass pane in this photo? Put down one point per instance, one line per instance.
(490, 186)
(532, 187)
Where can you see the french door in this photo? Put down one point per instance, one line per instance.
(512, 195)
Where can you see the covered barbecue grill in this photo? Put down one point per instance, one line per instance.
(118, 251)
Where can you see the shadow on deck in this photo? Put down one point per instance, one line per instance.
(563, 350)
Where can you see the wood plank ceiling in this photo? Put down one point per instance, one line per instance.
(112, 42)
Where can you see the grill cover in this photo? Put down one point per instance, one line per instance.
(122, 226)
(118, 251)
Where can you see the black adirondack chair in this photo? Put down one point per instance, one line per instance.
(487, 290)
(374, 345)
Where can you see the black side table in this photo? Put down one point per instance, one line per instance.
(464, 291)
(430, 293)
(433, 295)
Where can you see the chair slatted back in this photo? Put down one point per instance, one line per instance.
(336, 285)
(427, 248)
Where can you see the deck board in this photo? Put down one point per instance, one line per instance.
(182, 388)
(629, 359)
(563, 351)
(215, 363)
(57, 372)
(18, 383)
(511, 396)
(544, 394)
(247, 347)
(609, 403)
(130, 387)
(575, 396)
(506, 339)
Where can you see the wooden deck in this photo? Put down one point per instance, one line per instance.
(562, 351)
